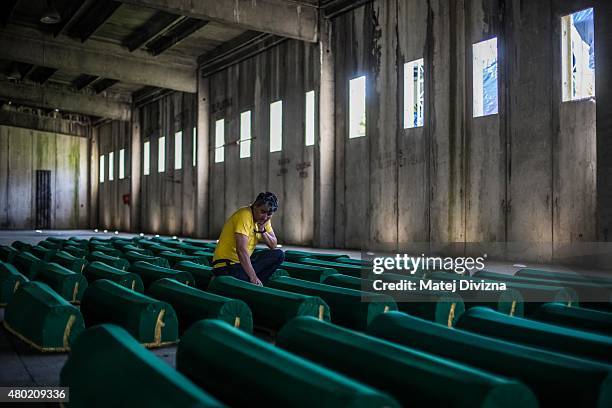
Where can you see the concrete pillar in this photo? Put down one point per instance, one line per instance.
(135, 171)
(94, 178)
(203, 148)
(324, 151)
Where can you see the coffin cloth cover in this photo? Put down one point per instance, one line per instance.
(343, 268)
(10, 281)
(414, 377)
(150, 273)
(557, 379)
(271, 307)
(174, 257)
(307, 272)
(98, 270)
(113, 261)
(7, 253)
(243, 370)
(291, 255)
(191, 305)
(69, 261)
(27, 264)
(102, 352)
(67, 284)
(201, 273)
(152, 322)
(348, 307)
(133, 256)
(575, 317)
(42, 318)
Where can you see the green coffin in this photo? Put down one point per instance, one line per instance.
(43, 253)
(75, 251)
(413, 377)
(157, 248)
(558, 380)
(98, 270)
(134, 248)
(187, 248)
(21, 246)
(69, 285)
(358, 262)
(27, 264)
(191, 305)
(351, 308)
(42, 318)
(562, 276)
(113, 261)
(108, 368)
(201, 273)
(80, 242)
(195, 242)
(106, 249)
(57, 241)
(307, 272)
(537, 334)
(69, 261)
(151, 322)
(343, 268)
(10, 281)
(346, 281)
(271, 308)
(50, 245)
(7, 253)
(173, 258)
(574, 317)
(150, 273)
(243, 370)
(208, 256)
(133, 256)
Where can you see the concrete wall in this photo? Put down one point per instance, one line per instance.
(22, 152)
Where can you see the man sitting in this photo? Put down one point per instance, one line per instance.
(240, 233)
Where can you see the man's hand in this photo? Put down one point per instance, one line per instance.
(256, 281)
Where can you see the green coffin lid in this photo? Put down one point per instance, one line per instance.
(108, 368)
(113, 261)
(99, 270)
(134, 248)
(57, 240)
(307, 272)
(10, 281)
(243, 370)
(173, 258)
(151, 322)
(574, 317)
(557, 379)
(150, 273)
(156, 247)
(75, 251)
(201, 273)
(106, 249)
(329, 257)
(343, 268)
(21, 246)
(69, 285)
(27, 264)
(69, 261)
(358, 262)
(191, 305)
(187, 248)
(271, 308)
(208, 256)
(42, 318)
(537, 334)
(413, 377)
(346, 281)
(7, 253)
(348, 307)
(133, 256)
(50, 245)
(46, 254)
(295, 256)
(563, 276)
(195, 242)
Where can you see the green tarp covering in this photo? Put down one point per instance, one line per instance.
(343, 268)
(150, 273)
(557, 379)
(69, 261)
(99, 270)
(348, 307)
(151, 322)
(575, 317)
(69, 285)
(413, 377)
(242, 370)
(173, 258)
(271, 307)
(42, 318)
(10, 280)
(43, 253)
(7, 253)
(113, 261)
(201, 273)
(537, 334)
(307, 272)
(133, 256)
(27, 264)
(108, 368)
(191, 305)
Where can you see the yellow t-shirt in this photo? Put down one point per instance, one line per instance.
(241, 222)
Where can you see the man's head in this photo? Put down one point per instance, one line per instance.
(264, 206)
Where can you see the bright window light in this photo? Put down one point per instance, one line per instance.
(578, 55)
(102, 169)
(161, 154)
(178, 150)
(414, 93)
(245, 134)
(276, 126)
(111, 166)
(194, 146)
(219, 140)
(485, 77)
(310, 118)
(121, 164)
(357, 107)
(146, 157)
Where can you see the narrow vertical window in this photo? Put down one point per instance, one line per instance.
(219, 140)
(178, 150)
(102, 169)
(146, 158)
(194, 146)
(414, 93)
(357, 107)
(111, 166)
(276, 126)
(245, 134)
(310, 118)
(578, 55)
(485, 77)
(161, 154)
(121, 164)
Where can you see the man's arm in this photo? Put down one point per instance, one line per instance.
(268, 237)
(245, 259)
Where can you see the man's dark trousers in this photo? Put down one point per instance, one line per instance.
(264, 263)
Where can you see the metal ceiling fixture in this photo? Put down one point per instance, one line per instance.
(50, 15)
